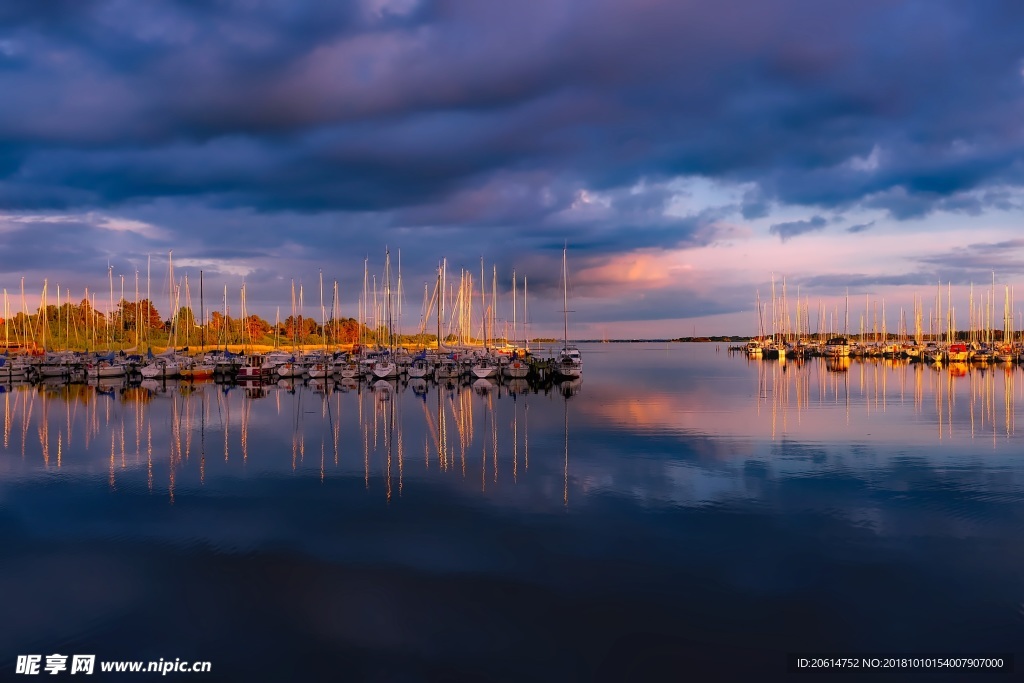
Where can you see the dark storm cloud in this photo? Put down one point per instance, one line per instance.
(379, 105)
(789, 230)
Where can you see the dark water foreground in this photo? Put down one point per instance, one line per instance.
(681, 514)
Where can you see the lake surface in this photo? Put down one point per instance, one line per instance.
(680, 511)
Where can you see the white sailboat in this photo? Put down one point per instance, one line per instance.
(105, 366)
(160, 367)
(569, 362)
(419, 368)
(485, 368)
(517, 367)
(385, 367)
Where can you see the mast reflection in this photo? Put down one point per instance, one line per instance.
(971, 398)
(169, 421)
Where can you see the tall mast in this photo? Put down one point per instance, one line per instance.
(110, 315)
(365, 316)
(149, 296)
(483, 303)
(885, 330)
(526, 319)
(949, 312)
(336, 314)
(970, 316)
(784, 313)
(760, 320)
(846, 323)
(90, 342)
(440, 305)
(295, 320)
(202, 314)
(387, 298)
(120, 305)
(323, 311)
(514, 306)
(188, 303)
(796, 333)
(398, 296)
(226, 324)
(46, 319)
(1007, 317)
(565, 299)
(26, 330)
(444, 286)
(245, 323)
(138, 309)
(170, 279)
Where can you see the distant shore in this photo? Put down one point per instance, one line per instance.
(719, 339)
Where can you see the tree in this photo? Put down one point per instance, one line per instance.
(138, 315)
(186, 320)
(343, 331)
(256, 327)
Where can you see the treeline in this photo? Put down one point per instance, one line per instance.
(139, 323)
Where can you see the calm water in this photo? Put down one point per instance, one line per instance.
(679, 511)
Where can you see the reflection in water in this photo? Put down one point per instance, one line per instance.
(180, 415)
(565, 490)
(714, 502)
(962, 398)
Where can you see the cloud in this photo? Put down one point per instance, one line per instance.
(787, 231)
(840, 282)
(976, 262)
(861, 227)
(392, 102)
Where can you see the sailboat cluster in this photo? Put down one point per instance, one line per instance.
(384, 357)
(943, 342)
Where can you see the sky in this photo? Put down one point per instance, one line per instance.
(682, 152)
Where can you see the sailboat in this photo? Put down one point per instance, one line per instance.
(166, 364)
(517, 367)
(384, 366)
(484, 367)
(322, 365)
(254, 365)
(204, 367)
(108, 364)
(569, 361)
(292, 366)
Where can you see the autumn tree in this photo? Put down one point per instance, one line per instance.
(186, 319)
(138, 315)
(256, 327)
